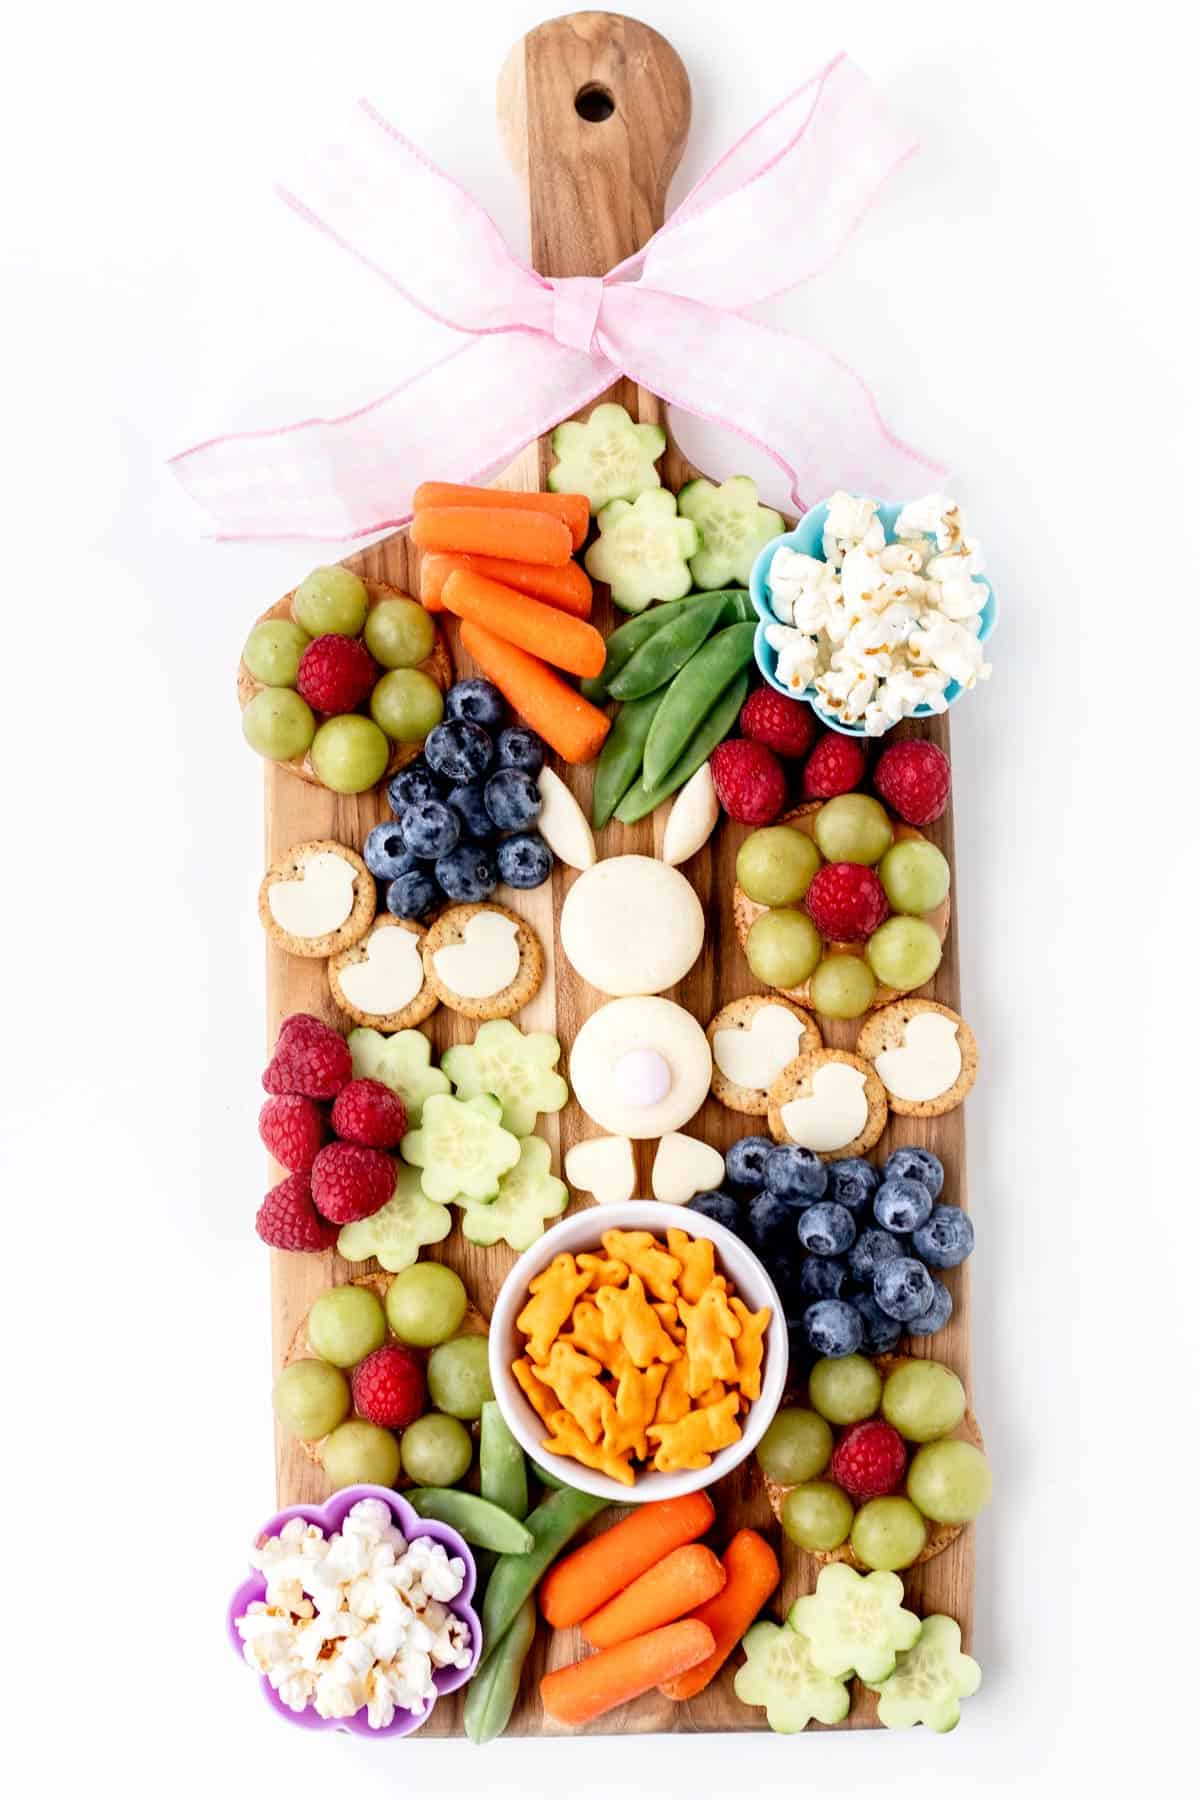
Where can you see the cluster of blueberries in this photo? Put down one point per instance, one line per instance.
(849, 1246)
(464, 811)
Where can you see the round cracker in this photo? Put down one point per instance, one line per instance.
(447, 928)
(423, 1002)
(790, 1083)
(884, 1030)
(286, 868)
(738, 1013)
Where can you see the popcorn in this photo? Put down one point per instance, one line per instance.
(850, 520)
(797, 655)
(949, 647)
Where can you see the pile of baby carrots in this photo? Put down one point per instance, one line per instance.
(660, 1609)
(503, 564)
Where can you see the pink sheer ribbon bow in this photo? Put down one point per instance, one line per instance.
(772, 212)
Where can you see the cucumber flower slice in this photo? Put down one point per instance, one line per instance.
(929, 1680)
(402, 1062)
(856, 1623)
(529, 1197)
(517, 1068)
(460, 1148)
(779, 1673)
(733, 526)
(607, 457)
(395, 1234)
(642, 551)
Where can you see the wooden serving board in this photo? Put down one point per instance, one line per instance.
(597, 190)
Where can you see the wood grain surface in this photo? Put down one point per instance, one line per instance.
(597, 189)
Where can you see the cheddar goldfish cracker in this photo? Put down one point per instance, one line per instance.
(748, 1346)
(539, 1396)
(567, 1439)
(573, 1379)
(674, 1401)
(637, 1396)
(603, 1271)
(711, 1328)
(554, 1292)
(655, 1267)
(588, 1334)
(693, 1441)
(696, 1268)
(628, 1315)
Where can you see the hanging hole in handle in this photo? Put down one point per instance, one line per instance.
(595, 104)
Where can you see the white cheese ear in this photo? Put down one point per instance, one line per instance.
(692, 818)
(602, 1167)
(562, 823)
(683, 1167)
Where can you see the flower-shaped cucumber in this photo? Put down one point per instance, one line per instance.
(517, 1069)
(394, 1235)
(607, 457)
(855, 1624)
(733, 528)
(642, 551)
(402, 1062)
(461, 1148)
(529, 1196)
(929, 1680)
(779, 1673)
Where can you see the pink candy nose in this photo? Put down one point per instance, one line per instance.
(643, 1078)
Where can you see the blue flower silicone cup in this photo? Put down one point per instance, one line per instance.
(807, 538)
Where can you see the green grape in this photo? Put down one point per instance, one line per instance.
(426, 1305)
(358, 1451)
(346, 1324)
(888, 1534)
(349, 753)
(407, 704)
(923, 1400)
(273, 651)
(399, 634)
(459, 1382)
(435, 1451)
(310, 1398)
(904, 952)
(915, 876)
(950, 1481)
(842, 986)
(330, 599)
(796, 1445)
(817, 1516)
(844, 1389)
(783, 948)
(852, 828)
(775, 865)
(278, 723)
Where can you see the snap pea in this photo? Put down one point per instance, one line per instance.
(652, 665)
(691, 695)
(552, 1524)
(545, 1477)
(493, 1691)
(480, 1521)
(502, 1477)
(712, 730)
(621, 757)
(623, 642)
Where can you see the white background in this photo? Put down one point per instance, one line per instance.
(1022, 304)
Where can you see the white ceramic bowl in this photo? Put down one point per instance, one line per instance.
(582, 1231)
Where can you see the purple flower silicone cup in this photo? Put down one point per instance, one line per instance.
(330, 1518)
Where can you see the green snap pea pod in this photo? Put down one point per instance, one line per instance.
(625, 640)
(621, 757)
(741, 607)
(480, 1521)
(712, 730)
(553, 1524)
(545, 1477)
(493, 1691)
(691, 695)
(501, 1463)
(663, 655)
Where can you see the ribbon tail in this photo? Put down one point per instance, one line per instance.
(461, 419)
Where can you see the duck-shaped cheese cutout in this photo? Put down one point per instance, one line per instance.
(924, 1054)
(828, 1101)
(486, 960)
(388, 976)
(317, 899)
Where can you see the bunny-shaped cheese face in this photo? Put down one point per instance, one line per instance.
(631, 925)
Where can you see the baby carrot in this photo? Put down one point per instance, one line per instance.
(523, 536)
(570, 644)
(583, 1581)
(569, 723)
(566, 587)
(572, 509)
(586, 1689)
(682, 1581)
(751, 1577)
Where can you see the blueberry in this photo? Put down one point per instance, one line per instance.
(783, 1265)
(746, 1162)
(852, 1181)
(902, 1205)
(721, 1207)
(880, 1334)
(912, 1164)
(458, 750)
(416, 782)
(429, 829)
(467, 801)
(385, 853)
(873, 1249)
(833, 1327)
(479, 702)
(512, 799)
(926, 1323)
(946, 1238)
(903, 1288)
(825, 1229)
(525, 861)
(413, 895)
(467, 873)
(771, 1227)
(795, 1175)
(822, 1277)
(518, 748)
(800, 1356)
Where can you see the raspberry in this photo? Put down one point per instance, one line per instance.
(288, 1220)
(351, 1182)
(749, 781)
(870, 1460)
(293, 1131)
(310, 1059)
(846, 902)
(914, 779)
(836, 766)
(367, 1112)
(389, 1387)
(786, 726)
(336, 673)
